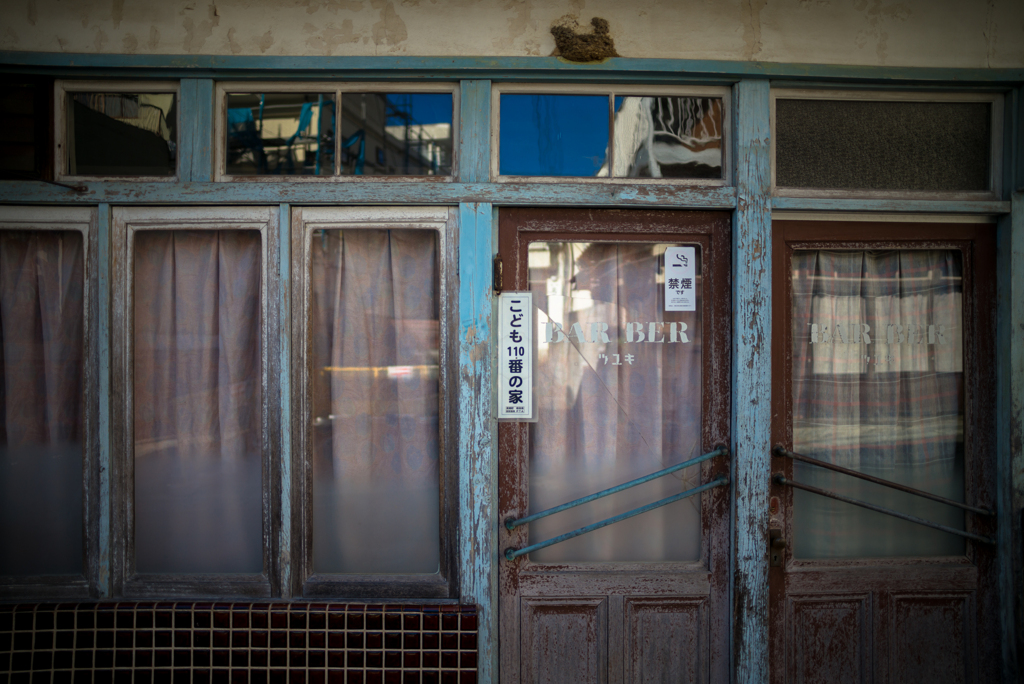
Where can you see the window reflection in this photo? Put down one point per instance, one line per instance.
(396, 134)
(122, 134)
(280, 133)
(668, 137)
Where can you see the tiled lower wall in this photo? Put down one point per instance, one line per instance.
(238, 642)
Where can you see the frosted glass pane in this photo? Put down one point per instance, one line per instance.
(870, 145)
(668, 137)
(375, 430)
(41, 431)
(878, 388)
(198, 438)
(613, 403)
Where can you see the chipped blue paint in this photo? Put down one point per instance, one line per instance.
(103, 580)
(375, 192)
(195, 123)
(474, 131)
(751, 381)
(477, 448)
(284, 382)
(535, 69)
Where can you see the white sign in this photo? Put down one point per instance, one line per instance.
(515, 355)
(680, 279)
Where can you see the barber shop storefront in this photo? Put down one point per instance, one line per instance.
(461, 369)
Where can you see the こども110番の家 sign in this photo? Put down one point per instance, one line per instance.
(515, 356)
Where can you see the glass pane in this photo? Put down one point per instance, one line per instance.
(122, 134)
(198, 438)
(396, 134)
(878, 388)
(619, 396)
(374, 324)
(289, 134)
(668, 137)
(865, 145)
(554, 135)
(41, 434)
(24, 127)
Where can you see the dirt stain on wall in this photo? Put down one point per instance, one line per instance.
(390, 29)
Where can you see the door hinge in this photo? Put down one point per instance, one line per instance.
(497, 285)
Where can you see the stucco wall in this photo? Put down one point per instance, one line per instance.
(949, 33)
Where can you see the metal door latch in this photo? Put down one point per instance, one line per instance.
(776, 545)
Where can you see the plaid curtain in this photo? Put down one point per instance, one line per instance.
(878, 388)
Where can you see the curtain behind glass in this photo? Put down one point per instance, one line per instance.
(198, 463)
(601, 424)
(375, 348)
(892, 408)
(41, 416)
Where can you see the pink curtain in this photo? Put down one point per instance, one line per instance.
(41, 431)
(374, 330)
(611, 411)
(198, 427)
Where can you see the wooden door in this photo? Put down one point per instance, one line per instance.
(624, 388)
(883, 340)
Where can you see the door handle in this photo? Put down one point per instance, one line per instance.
(776, 545)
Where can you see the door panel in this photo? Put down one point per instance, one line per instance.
(900, 389)
(645, 599)
(667, 640)
(566, 640)
(830, 638)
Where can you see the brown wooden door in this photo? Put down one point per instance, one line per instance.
(624, 388)
(883, 340)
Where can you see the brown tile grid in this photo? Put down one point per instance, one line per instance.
(238, 642)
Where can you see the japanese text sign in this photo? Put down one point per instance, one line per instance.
(680, 274)
(515, 356)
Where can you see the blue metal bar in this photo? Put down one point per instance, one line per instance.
(781, 480)
(511, 524)
(512, 554)
(779, 451)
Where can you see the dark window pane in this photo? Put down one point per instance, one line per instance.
(375, 401)
(25, 128)
(396, 134)
(41, 431)
(554, 135)
(289, 134)
(861, 145)
(198, 435)
(668, 137)
(122, 134)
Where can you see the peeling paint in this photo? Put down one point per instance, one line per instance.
(390, 30)
(117, 12)
(130, 43)
(330, 38)
(232, 43)
(32, 13)
(752, 27)
(154, 38)
(265, 41)
(100, 40)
